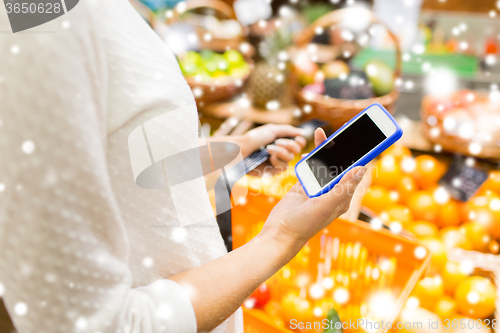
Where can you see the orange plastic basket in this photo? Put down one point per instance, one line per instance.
(410, 258)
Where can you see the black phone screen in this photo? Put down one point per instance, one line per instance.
(345, 149)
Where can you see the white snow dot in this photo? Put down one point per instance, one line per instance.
(147, 262)
(20, 309)
(2, 289)
(179, 235)
(81, 323)
(470, 161)
(457, 182)
(420, 252)
(28, 147)
(2, 187)
(207, 37)
(475, 148)
(473, 297)
(272, 105)
(50, 277)
(249, 303)
(491, 59)
(192, 38)
(432, 120)
(198, 92)
(164, 311)
(396, 227)
(66, 24)
(376, 223)
(15, 49)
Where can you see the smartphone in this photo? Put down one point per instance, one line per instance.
(356, 143)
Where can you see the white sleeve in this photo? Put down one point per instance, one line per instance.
(63, 244)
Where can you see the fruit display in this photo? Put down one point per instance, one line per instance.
(466, 122)
(342, 272)
(214, 68)
(337, 80)
(405, 196)
(405, 191)
(451, 289)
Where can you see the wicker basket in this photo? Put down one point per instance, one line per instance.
(456, 144)
(338, 111)
(209, 92)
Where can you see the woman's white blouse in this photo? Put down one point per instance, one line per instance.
(82, 247)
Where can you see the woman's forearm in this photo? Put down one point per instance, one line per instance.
(219, 287)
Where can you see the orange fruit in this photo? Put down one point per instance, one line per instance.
(438, 251)
(493, 182)
(423, 206)
(405, 188)
(428, 171)
(494, 246)
(475, 297)
(295, 307)
(387, 172)
(428, 291)
(449, 214)
(397, 151)
(484, 209)
(453, 274)
(445, 307)
(377, 199)
(453, 237)
(422, 229)
(477, 235)
(397, 213)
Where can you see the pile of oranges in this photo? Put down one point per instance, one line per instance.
(405, 194)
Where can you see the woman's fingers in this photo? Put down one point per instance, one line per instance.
(278, 163)
(281, 131)
(280, 152)
(301, 141)
(290, 145)
(319, 136)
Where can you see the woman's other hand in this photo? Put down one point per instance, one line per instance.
(273, 136)
(297, 218)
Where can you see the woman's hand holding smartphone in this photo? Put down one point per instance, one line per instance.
(297, 218)
(330, 174)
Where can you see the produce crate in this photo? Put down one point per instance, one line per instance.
(408, 257)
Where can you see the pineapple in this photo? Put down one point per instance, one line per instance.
(268, 81)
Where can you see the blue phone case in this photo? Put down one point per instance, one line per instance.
(365, 159)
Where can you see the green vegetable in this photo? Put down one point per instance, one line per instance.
(380, 76)
(333, 319)
(234, 57)
(314, 12)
